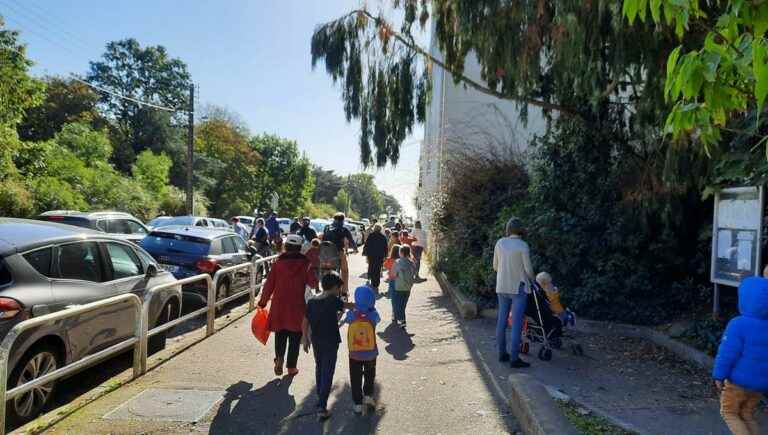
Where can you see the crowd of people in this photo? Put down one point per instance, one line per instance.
(299, 319)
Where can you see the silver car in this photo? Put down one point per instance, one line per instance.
(47, 267)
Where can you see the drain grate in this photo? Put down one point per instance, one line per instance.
(167, 405)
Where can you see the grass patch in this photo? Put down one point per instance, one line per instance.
(589, 424)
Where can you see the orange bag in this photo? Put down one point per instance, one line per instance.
(259, 325)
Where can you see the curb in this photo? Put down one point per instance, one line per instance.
(535, 409)
(682, 350)
(467, 308)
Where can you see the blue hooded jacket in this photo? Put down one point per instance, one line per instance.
(365, 301)
(743, 354)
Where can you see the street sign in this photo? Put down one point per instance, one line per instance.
(275, 201)
(736, 235)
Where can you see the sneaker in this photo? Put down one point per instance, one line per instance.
(369, 401)
(293, 372)
(278, 367)
(402, 325)
(519, 364)
(504, 357)
(358, 409)
(323, 414)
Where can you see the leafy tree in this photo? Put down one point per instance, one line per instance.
(66, 101)
(535, 53)
(282, 170)
(391, 203)
(88, 145)
(365, 197)
(327, 185)
(18, 90)
(148, 74)
(151, 171)
(719, 76)
(342, 201)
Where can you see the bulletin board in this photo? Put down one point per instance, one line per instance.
(736, 234)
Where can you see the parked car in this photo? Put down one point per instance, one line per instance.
(361, 228)
(285, 225)
(357, 235)
(319, 225)
(118, 224)
(220, 224)
(192, 221)
(47, 267)
(248, 221)
(158, 222)
(187, 251)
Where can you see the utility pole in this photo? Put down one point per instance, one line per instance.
(190, 149)
(349, 194)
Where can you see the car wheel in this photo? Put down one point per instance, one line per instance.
(156, 343)
(38, 361)
(222, 291)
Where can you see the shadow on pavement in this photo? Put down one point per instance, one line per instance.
(244, 410)
(443, 303)
(398, 341)
(272, 409)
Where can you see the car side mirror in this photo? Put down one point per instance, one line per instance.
(151, 271)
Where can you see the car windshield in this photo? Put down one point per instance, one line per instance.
(158, 242)
(178, 220)
(5, 274)
(158, 221)
(246, 220)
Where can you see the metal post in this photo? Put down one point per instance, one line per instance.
(716, 302)
(210, 326)
(190, 149)
(252, 292)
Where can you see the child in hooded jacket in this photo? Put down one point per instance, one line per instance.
(389, 265)
(741, 365)
(363, 350)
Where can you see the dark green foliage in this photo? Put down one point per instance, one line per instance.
(386, 93)
(66, 101)
(482, 188)
(618, 250)
(705, 335)
(148, 74)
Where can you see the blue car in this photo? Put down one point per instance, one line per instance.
(188, 251)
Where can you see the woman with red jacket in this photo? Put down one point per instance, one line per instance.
(285, 285)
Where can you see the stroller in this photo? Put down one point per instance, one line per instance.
(541, 325)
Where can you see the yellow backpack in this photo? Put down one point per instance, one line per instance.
(361, 335)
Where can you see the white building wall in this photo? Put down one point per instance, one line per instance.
(461, 118)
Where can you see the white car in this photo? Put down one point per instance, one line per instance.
(285, 225)
(357, 235)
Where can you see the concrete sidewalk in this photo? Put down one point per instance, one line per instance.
(628, 379)
(429, 381)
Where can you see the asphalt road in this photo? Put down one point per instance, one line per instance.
(428, 382)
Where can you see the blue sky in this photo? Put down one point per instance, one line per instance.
(251, 57)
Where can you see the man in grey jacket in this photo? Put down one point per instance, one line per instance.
(512, 263)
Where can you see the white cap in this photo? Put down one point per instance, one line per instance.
(294, 239)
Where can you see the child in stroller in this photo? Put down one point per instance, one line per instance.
(546, 319)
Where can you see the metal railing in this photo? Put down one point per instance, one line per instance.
(139, 341)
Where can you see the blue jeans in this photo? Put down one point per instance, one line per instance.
(399, 302)
(325, 366)
(390, 288)
(516, 305)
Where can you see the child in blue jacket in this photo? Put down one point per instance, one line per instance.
(361, 339)
(741, 365)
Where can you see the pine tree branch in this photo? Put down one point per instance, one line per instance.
(469, 81)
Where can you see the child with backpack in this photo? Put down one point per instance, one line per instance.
(361, 339)
(405, 275)
(389, 265)
(741, 364)
(320, 328)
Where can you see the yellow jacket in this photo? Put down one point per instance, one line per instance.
(554, 300)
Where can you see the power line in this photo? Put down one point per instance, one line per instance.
(125, 97)
(43, 23)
